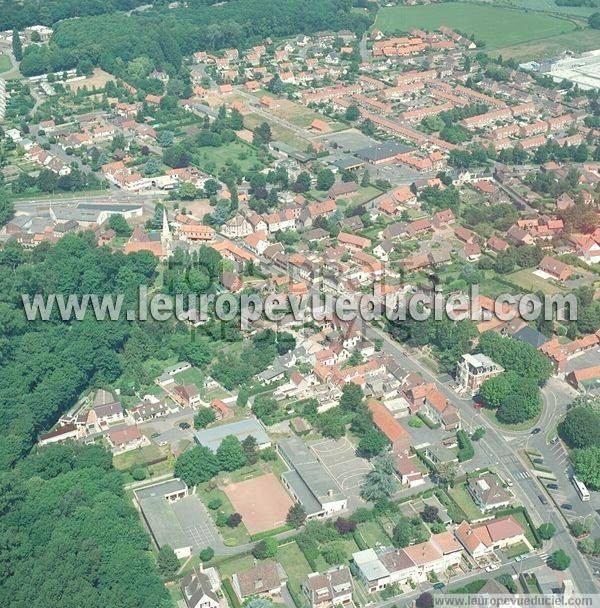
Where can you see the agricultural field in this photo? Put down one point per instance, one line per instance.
(497, 26)
(549, 6)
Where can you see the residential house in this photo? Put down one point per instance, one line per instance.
(490, 536)
(473, 370)
(328, 589)
(125, 439)
(266, 579)
(555, 268)
(487, 492)
(198, 591)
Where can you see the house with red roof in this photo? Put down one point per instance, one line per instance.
(390, 427)
(487, 537)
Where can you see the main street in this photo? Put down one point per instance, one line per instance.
(502, 451)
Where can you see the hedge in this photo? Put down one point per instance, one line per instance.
(273, 532)
(294, 595)
(362, 545)
(230, 593)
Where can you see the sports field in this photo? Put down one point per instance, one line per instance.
(497, 26)
(261, 501)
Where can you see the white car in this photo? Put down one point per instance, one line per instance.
(492, 567)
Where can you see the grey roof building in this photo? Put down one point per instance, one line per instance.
(309, 481)
(211, 438)
(382, 151)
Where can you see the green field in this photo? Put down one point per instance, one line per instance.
(528, 281)
(5, 63)
(550, 6)
(236, 152)
(577, 41)
(138, 457)
(497, 26)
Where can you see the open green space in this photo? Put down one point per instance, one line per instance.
(495, 25)
(139, 457)
(5, 63)
(465, 502)
(373, 534)
(231, 536)
(520, 426)
(550, 6)
(529, 281)
(295, 565)
(211, 159)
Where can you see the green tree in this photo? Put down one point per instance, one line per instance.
(352, 397)
(230, 454)
(167, 562)
(196, 465)
(372, 443)
(547, 531)
(586, 462)
(403, 533)
(250, 447)
(581, 427)
(559, 560)
(296, 515)
(325, 179)
(380, 482)
(265, 549)
(119, 224)
(204, 417)
(206, 554)
(352, 113)
(17, 47)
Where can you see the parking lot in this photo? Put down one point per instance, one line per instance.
(196, 523)
(339, 458)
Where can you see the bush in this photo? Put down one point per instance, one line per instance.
(344, 526)
(234, 520)
(215, 503)
(139, 473)
(207, 554)
(265, 548)
(465, 447)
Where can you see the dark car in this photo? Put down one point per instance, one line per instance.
(542, 499)
(566, 506)
(536, 430)
(439, 586)
(538, 461)
(552, 486)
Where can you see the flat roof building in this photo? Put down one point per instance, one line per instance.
(211, 438)
(308, 480)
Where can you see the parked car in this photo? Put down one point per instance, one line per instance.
(566, 506)
(552, 486)
(518, 558)
(439, 586)
(536, 430)
(492, 567)
(542, 499)
(538, 461)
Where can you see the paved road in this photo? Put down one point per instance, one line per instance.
(499, 447)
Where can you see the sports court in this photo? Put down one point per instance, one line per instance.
(339, 457)
(262, 502)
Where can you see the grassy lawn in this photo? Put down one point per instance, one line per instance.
(521, 426)
(231, 536)
(295, 565)
(372, 533)
(465, 502)
(231, 565)
(520, 518)
(279, 132)
(518, 549)
(5, 63)
(190, 376)
(138, 457)
(550, 6)
(531, 282)
(496, 26)
(236, 152)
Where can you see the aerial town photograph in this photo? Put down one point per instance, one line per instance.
(299, 303)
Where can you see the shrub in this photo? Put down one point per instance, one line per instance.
(207, 554)
(234, 520)
(214, 503)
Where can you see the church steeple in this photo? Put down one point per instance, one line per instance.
(165, 237)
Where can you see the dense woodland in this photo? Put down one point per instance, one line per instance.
(109, 40)
(68, 534)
